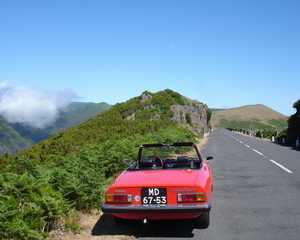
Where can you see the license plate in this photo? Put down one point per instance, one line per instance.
(154, 196)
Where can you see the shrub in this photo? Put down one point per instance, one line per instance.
(28, 206)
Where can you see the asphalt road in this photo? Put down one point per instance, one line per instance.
(256, 194)
(257, 189)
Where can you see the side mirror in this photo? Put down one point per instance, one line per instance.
(127, 160)
(209, 158)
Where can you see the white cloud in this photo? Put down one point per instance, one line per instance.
(31, 106)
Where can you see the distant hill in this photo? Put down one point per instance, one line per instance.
(216, 109)
(10, 139)
(16, 137)
(249, 117)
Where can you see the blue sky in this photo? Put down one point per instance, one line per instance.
(224, 53)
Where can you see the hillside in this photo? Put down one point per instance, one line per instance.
(249, 117)
(16, 137)
(146, 113)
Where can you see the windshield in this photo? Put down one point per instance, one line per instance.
(167, 156)
(169, 152)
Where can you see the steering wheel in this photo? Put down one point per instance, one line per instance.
(158, 161)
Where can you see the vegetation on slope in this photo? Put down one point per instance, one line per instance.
(35, 196)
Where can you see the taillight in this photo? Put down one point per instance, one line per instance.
(118, 198)
(191, 197)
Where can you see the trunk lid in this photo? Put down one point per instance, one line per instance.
(157, 178)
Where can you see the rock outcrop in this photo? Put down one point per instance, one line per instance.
(193, 115)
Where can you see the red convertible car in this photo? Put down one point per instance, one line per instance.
(168, 181)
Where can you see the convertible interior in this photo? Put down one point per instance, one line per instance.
(180, 155)
(155, 162)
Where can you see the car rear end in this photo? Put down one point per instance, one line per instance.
(160, 194)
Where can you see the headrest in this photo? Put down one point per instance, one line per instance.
(183, 159)
(146, 162)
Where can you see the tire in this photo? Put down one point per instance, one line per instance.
(120, 221)
(203, 221)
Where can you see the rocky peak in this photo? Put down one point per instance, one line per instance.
(144, 97)
(189, 113)
(193, 115)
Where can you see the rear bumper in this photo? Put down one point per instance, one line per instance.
(137, 209)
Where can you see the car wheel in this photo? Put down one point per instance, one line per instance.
(120, 221)
(203, 220)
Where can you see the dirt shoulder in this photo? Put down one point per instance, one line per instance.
(95, 226)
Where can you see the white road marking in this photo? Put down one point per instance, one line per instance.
(259, 153)
(282, 167)
(271, 160)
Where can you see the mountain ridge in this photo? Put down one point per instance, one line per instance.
(140, 115)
